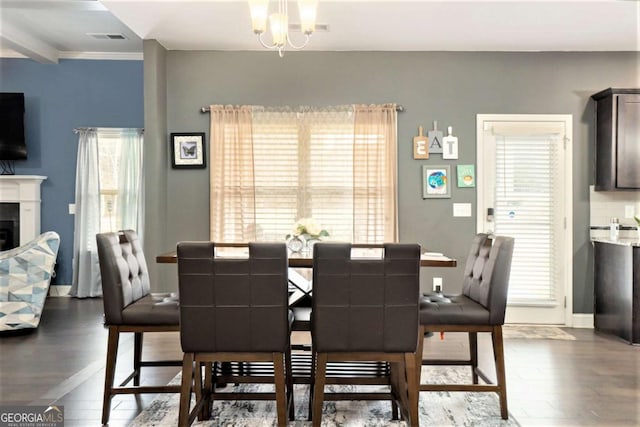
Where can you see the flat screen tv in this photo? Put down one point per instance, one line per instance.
(12, 143)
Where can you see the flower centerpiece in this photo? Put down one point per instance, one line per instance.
(305, 232)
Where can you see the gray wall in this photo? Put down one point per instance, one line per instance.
(450, 87)
(58, 98)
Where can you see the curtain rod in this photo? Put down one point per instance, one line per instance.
(399, 109)
(76, 130)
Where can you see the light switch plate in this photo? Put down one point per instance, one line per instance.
(629, 211)
(462, 209)
(72, 208)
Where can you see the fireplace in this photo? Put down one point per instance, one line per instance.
(9, 225)
(19, 209)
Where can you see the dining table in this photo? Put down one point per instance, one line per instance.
(300, 296)
(304, 259)
(300, 287)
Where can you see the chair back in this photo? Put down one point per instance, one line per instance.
(486, 274)
(233, 304)
(365, 304)
(124, 273)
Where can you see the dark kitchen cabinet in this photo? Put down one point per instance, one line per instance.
(617, 139)
(617, 289)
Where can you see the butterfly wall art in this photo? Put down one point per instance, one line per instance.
(188, 150)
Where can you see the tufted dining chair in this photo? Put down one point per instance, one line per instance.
(130, 307)
(366, 309)
(479, 308)
(234, 309)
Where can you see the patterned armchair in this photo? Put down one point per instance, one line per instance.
(25, 276)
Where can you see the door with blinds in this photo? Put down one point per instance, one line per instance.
(525, 191)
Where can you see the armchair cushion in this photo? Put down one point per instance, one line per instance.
(25, 276)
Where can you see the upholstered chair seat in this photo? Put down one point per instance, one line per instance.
(148, 311)
(129, 306)
(479, 308)
(453, 309)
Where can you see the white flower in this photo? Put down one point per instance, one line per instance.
(313, 228)
(308, 227)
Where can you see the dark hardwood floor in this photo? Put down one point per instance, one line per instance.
(593, 380)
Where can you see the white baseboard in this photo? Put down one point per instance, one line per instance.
(59, 290)
(582, 320)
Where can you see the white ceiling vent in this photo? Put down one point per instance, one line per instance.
(107, 36)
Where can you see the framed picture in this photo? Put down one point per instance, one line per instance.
(436, 182)
(466, 176)
(188, 150)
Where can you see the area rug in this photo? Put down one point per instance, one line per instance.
(436, 408)
(535, 332)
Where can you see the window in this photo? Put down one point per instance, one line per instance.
(109, 197)
(109, 146)
(307, 163)
(526, 203)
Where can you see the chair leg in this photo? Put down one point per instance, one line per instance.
(312, 381)
(280, 383)
(199, 389)
(137, 357)
(498, 355)
(185, 391)
(208, 383)
(412, 388)
(318, 388)
(473, 355)
(289, 377)
(110, 371)
(418, 356)
(398, 387)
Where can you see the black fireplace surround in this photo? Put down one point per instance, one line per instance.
(9, 226)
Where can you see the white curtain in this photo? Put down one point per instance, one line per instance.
(86, 268)
(90, 218)
(271, 166)
(130, 199)
(375, 182)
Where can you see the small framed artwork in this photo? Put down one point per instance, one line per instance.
(466, 176)
(436, 182)
(188, 150)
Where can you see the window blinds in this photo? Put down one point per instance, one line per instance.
(528, 193)
(293, 164)
(303, 167)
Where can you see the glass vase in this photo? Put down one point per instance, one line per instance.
(308, 244)
(295, 244)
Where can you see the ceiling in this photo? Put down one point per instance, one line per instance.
(47, 30)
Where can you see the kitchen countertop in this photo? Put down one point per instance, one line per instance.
(623, 241)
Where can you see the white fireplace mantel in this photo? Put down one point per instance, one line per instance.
(24, 189)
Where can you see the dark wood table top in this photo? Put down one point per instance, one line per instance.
(299, 260)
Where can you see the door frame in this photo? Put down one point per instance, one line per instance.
(567, 257)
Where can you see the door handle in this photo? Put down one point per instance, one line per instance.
(490, 219)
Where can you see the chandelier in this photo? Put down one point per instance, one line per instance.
(279, 23)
